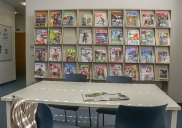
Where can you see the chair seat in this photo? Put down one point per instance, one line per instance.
(74, 108)
(112, 126)
(111, 111)
(58, 124)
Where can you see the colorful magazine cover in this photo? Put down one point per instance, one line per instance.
(148, 20)
(100, 73)
(55, 54)
(41, 20)
(132, 19)
(55, 19)
(85, 70)
(68, 19)
(163, 57)
(147, 73)
(163, 38)
(54, 36)
(147, 55)
(71, 55)
(40, 54)
(69, 69)
(86, 55)
(133, 37)
(117, 37)
(117, 19)
(162, 20)
(85, 37)
(55, 71)
(100, 56)
(147, 37)
(116, 55)
(101, 36)
(131, 55)
(87, 20)
(163, 75)
(39, 70)
(41, 37)
(100, 19)
(115, 70)
(130, 71)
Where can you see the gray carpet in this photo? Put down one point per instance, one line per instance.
(83, 120)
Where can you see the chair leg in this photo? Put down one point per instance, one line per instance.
(76, 114)
(103, 119)
(65, 115)
(90, 117)
(97, 120)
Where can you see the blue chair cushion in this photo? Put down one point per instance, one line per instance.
(111, 111)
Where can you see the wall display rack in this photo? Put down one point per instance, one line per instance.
(134, 27)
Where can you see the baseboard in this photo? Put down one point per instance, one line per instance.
(7, 82)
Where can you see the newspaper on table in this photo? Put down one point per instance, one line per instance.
(104, 96)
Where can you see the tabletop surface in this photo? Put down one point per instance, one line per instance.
(70, 93)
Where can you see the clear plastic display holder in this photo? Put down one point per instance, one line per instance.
(116, 58)
(163, 41)
(131, 73)
(131, 42)
(147, 59)
(148, 42)
(147, 76)
(135, 24)
(162, 59)
(131, 59)
(164, 24)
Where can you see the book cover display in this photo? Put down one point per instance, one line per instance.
(41, 37)
(147, 37)
(163, 57)
(100, 72)
(87, 20)
(86, 55)
(131, 55)
(116, 55)
(147, 55)
(55, 71)
(132, 19)
(117, 19)
(54, 36)
(41, 20)
(85, 37)
(100, 56)
(147, 73)
(55, 19)
(115, 70)
(100, 19)
(69, 68)
(55, 54)
(133, 37)
(117, 37)
(148, 20)
(130, 71)
(39, 70)
(40, 54)
(85, 70)
(162, 20)
(68, 19)
(71, 55)
(164, 38)
(163, 75)
(101, 36)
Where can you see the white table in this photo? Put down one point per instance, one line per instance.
(69, 93)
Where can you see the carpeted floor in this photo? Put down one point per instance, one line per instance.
(83, 120)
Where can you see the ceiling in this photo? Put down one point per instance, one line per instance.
(19, 8)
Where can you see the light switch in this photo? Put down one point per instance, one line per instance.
(32, 45)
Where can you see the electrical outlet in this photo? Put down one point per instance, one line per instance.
(32, 53)
(33, 81)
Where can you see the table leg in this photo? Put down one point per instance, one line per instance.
(8, 106)
(174, 118)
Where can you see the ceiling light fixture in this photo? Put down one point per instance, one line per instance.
(16, 12)
(23, 3)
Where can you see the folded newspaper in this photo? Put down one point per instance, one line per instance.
(104, 96)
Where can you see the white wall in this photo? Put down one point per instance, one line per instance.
(20, 23)
(175, 89)
(7, 68)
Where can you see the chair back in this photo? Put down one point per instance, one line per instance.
(140, 117)
(75, 78)
(118, 79)
(44, 118)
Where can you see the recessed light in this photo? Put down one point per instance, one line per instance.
(23, 3)
(16, 12)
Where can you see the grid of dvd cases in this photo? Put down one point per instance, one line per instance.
(70, 40)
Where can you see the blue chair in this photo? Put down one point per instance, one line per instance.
(113, 79)
(72, 78)
(44, 118)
